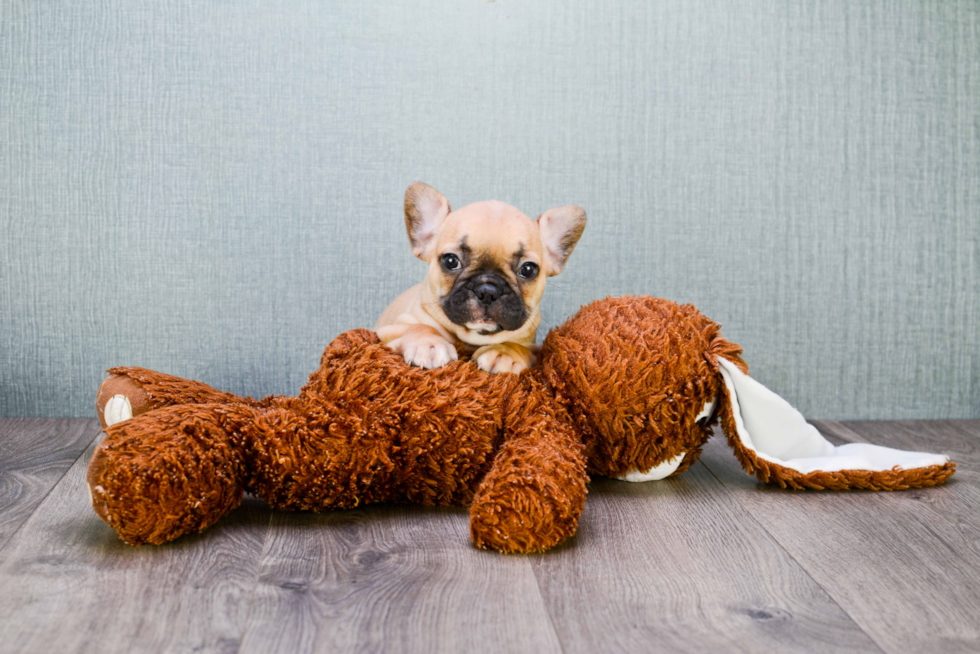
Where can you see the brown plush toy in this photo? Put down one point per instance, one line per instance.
(628, 388)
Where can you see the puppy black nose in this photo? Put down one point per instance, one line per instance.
(487, 293)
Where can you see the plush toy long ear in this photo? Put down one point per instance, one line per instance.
(772, 440)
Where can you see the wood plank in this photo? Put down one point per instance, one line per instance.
(392, 579)
(70, 585)
(969, 427)
(679, 566)
(35, 453)
(904, 565)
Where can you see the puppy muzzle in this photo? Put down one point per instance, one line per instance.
(485, 303)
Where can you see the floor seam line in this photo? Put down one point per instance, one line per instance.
(547, 609)
(255, 586)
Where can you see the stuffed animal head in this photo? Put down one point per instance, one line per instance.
(644, 380)
(638, 378)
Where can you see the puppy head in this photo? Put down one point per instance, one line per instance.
(488, 262)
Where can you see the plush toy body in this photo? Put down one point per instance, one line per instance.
(629, 388)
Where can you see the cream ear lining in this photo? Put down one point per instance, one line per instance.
(769, 426)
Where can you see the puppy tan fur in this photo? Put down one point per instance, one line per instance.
(488, 263)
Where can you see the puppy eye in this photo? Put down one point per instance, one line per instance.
(449, 262)
(529, 270)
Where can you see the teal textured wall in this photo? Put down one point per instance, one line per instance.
(214, 189)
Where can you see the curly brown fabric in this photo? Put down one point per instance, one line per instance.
(633, 373)
(167, 390)
(617, 389)
(533, 496)
(173, 471)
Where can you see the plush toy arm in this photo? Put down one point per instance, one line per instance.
(129, 392)
(534, 493)
(772, 440)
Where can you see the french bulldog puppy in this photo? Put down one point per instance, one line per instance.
(488, 263)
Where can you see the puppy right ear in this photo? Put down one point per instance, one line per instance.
(425, 209)
(561, 229)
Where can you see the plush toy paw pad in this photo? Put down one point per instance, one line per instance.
(657, 472)
(126, 396)
(117, 409)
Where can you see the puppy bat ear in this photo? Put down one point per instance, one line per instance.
(425, 209)
(560, 228)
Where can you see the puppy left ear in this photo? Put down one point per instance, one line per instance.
(425, 209)
(561, 228)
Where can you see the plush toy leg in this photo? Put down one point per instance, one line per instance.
(320, 456)
(772, 440)
(128, 392)
(169, 472)
(534, 493)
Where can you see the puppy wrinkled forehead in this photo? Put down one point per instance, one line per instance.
(491, 228)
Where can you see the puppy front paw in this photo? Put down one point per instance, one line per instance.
(424, 350)
(504, 357)
(434, 355)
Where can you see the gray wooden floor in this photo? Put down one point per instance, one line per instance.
(710, 561)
